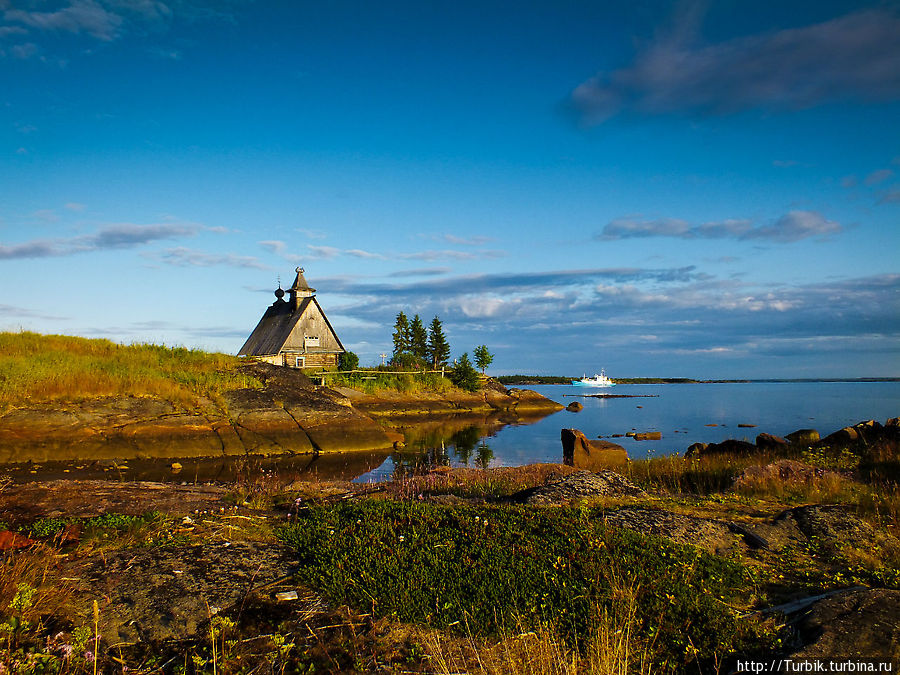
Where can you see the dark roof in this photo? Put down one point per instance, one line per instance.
(273, 329)
(275, 326)
(300, 283)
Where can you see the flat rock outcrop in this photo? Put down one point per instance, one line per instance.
(860, 623)
(831, 525)
(26, 502)
(580, 485)
(163, 593)
(713, 536)
(493, 398)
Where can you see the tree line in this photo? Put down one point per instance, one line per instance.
(416, 346)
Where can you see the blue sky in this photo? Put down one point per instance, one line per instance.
(689, 189)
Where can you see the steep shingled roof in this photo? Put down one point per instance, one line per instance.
(273, 328)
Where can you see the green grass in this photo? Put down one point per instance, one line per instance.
(484, 569)
(38, 368)
(405, 383)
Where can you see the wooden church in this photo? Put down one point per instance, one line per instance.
(295, 332)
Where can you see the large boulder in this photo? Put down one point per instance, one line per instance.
(727, 447)
(695, 449)
(803, 437)
(861, 435)
(770, 442)
(581, 452)
(580, 485)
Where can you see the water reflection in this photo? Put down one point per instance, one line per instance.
(448, 442)
(429, 443)
(329, 466)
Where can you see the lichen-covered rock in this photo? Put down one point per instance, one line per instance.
(711, 535)
(580, 485)
(165, 593)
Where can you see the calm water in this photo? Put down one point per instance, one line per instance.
(682, 413)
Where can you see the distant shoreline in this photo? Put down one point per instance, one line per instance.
(554, 379)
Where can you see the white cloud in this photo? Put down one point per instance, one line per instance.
(185, 257)
(80, 16)
(274, 246)
(793, 226)
(119, 236)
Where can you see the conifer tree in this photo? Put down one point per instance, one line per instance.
(438, 347)
(401, 336)
(464, 375)
(418, 339)
(483, 358)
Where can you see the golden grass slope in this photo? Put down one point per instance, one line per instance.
(37, 368)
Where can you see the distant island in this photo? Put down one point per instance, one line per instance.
(556, 379)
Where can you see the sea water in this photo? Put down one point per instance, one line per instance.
(682, 413)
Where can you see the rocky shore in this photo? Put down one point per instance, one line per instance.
(288, 414)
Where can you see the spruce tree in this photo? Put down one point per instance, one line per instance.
(464, 375)
(418, 339)
(438, 347)
(401, 336)
(483, 358)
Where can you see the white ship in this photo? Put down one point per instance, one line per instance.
(600, 380)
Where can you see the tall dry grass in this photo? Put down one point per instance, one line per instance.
(38, 368)
(610, 648)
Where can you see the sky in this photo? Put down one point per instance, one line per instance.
(689, 189)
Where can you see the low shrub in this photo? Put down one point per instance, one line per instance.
(488, 567)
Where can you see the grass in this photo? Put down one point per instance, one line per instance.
(385, 381)
(38, 368)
